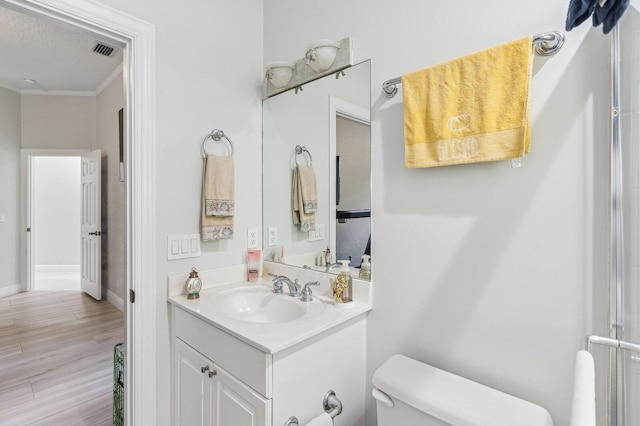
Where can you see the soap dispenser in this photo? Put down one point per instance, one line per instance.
(365, 268)
(343, 284)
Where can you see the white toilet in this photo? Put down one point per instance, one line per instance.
(409, 392)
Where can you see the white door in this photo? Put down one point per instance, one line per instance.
(90, 231)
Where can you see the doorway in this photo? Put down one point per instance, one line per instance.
(138, 40)
(54, 208)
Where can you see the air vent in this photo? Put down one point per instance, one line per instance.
(104, 49)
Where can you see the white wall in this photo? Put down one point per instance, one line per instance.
(58, 121)
(109, 102)
(481, 269)
(9, 195)
(56, 210)
(209, 75)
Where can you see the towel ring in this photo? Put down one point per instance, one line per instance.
(216, 135)
(300, 150)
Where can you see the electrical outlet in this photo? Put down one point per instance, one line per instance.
(252, 238)
(273, 236)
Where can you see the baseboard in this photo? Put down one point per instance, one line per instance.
(57, 268)
(10, 290)
(115, 300)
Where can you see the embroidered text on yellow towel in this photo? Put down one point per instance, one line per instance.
(470, 109)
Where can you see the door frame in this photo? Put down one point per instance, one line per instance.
(137, 37)
(26, 201)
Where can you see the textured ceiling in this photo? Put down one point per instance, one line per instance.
(57, 57)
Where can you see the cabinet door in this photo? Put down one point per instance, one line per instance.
(192, 386)
(236, 404)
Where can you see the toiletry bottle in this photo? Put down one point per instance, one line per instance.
(343, 284)
(327, 257)
(365, 268)
(253, 265)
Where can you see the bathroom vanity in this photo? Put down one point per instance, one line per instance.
(243, 355)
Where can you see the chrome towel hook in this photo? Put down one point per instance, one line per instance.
(216, 135)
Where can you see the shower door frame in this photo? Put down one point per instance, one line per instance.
(616, 402)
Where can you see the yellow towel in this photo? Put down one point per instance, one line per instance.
(217, 227)
(470, 109)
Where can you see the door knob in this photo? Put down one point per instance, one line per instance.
(95, 233)
(204, 369)
(212, 373)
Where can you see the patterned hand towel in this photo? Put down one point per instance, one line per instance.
(307, 182)
(470, 109)
(219, 186)
(307, 221)
(217, 198)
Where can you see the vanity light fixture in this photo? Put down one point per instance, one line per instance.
(279, 73)
(321, 54)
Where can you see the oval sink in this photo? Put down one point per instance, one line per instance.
(260, 305)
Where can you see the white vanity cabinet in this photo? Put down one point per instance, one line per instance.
(206, 394)
(221, 380)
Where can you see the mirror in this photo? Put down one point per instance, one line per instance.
(330, 117)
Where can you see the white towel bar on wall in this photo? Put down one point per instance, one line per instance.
(545, 44)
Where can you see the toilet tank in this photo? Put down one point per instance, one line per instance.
(410, 392)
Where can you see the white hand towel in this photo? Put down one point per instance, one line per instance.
(322, 420)
(583, 406)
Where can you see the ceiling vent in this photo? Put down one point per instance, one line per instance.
(104, 49)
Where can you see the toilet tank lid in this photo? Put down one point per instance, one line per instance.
(454, 399)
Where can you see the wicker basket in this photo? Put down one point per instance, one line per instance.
(118, 385)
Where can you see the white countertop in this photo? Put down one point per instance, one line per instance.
(273, 337)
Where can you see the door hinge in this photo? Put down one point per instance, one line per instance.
(28, 229)
(132, 296)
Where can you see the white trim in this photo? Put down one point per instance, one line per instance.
(112, 77)
(10, 290)
(57, 268)
(87, 93)
(138, 37)
(115, 300)
(58, 93)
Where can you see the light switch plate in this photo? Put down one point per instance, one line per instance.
(183, 246)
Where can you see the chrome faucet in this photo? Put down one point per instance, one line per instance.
(278, 280)
(306, 293)
(333, 265)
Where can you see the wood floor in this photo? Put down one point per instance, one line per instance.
(56, 359)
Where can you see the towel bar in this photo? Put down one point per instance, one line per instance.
(546, 44)
(216, 135)
(301, 150)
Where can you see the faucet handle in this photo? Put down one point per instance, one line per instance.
(306, 293)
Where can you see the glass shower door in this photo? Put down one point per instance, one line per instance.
(626, 297)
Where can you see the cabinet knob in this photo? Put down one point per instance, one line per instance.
(204, 369)
(212, 373)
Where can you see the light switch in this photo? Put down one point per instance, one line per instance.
(183, 246)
